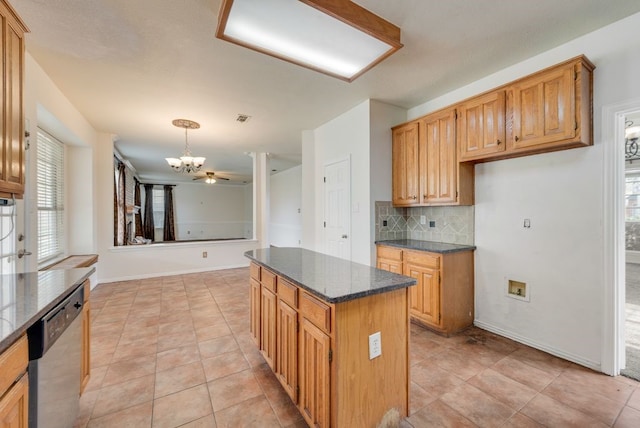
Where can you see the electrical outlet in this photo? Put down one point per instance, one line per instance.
(375, 345)
(384, 223)
(432, 223)
(204, 254)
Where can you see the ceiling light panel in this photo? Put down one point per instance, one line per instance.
(292, 30)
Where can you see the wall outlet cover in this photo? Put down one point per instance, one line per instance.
(375, 345)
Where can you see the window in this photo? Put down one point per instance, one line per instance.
(50, 192)
(158, 209)
(632, 197)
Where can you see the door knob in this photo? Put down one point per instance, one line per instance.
(23, 252)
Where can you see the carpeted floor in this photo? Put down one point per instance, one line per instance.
(632, 323)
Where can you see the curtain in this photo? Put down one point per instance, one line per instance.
(119, 216)
(137, 203)
(149, 228)
(169, 227)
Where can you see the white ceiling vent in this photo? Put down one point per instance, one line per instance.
(242, 118)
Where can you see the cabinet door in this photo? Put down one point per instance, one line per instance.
(12, 164)
(314, 374)
(14, 405)
(481, 126)
(544, 108)
(254, 314)
(438, 158)
(287, 352)
(405, 165)
(85, 364)
(425, 295)
(268, 326)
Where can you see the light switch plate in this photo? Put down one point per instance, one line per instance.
(375, 345)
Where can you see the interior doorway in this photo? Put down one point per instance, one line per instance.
(337, 213)
(632, 247)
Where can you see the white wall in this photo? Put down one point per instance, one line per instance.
(308, 186)
(382, 118)
(561, 256)
(347, 137)
(209, 211)
(285, 219)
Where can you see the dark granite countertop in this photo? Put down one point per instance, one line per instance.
(330, 278)
(430, 246)
(26, 297)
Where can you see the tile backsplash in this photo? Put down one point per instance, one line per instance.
(453, 225)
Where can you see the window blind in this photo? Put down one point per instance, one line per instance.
(50, 185)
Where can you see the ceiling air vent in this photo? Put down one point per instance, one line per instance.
(242, 118)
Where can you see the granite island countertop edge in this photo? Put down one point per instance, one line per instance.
(333, 300)
(10, 339)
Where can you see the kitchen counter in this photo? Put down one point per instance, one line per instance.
(26, 297)
(430, 246)
(330, 278)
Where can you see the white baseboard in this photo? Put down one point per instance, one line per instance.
(593, 365)
(181, 272)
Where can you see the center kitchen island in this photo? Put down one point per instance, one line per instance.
(335, 333)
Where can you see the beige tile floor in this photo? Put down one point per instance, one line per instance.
(175, 351)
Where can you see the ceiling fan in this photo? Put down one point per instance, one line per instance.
(210, 177)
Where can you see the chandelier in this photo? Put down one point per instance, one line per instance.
(187, 162)
(631, 135)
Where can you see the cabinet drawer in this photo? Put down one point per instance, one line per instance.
(269, 280)
(317, 312)
(389, 253)
(288, 292)
(13, 362)
(254, 270)
(421, 258)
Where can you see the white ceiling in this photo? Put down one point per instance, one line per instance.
(131, 67)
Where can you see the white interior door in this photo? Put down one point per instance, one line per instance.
(337, 215)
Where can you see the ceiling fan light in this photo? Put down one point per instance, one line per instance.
(210, 180)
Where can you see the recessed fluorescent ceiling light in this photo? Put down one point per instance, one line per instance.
(338, 38)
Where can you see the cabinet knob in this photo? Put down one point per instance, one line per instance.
(498, 142)
(516, 138)
(414, 197)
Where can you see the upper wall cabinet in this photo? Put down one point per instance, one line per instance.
(425, 163)
(546, 111)
(405, 165)
(12, 123)
(481, 126)
(551, 110)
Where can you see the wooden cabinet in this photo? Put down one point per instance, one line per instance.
(12, 163)
(389, 259)
(85, 364)
(268, 326)
(425, 296)
(438, 158)
(287, 338)
(405, 165)
(315, 346)
(255, 299)
(322, 358)
(481, 126)
(552, 109)
(425, 163)
(443, 298)
(14, 385)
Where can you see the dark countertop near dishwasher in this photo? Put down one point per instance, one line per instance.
(330, 278)
(430, 246)
(27, 297)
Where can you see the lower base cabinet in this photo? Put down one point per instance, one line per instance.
(321, 353)
(14, 385)
(443, 298)
(85, 364)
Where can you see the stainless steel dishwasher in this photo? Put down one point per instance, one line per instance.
(55, 353)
